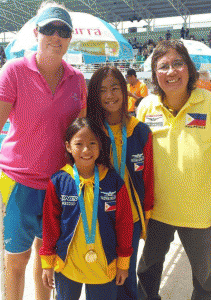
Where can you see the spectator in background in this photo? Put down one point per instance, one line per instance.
(150, 48)
(134, 43)
(192, 37)
(2, 56)
(182, 33)
(116, 63)
(168, 35)
(140, 47)
(187, 33)
(151, 42)
(204, 80)
(209, 39)
(136, 90)
(145, 53)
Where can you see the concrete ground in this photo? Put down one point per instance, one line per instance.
(176, 280)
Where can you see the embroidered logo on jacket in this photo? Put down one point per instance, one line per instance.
(137, 157)
(108, 196)
(138, 160)
(138, 166)
(154, 120)
(196, 120)
(68, 200)
(110, 206)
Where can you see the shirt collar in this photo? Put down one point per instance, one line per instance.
(157, 101)
(102, 172)
(195, 97)
(131, 123)
(31, 62)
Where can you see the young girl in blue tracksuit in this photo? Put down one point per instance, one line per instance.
(131, 154)
(87, 220)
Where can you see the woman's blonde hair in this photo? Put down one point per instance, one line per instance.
(47, 4)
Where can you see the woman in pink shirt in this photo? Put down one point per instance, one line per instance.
(41, 95)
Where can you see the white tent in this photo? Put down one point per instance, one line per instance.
(199, 53)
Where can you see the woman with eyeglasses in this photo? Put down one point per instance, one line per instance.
(41, 95)
(179, 117)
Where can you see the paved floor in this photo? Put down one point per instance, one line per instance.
(176, 281)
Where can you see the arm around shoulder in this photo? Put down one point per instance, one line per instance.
(144, 107)
(141, 110)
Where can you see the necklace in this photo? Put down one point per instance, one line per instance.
(171, 109)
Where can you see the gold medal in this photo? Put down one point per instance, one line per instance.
(91, 256)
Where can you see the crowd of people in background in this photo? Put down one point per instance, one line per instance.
(146, 48)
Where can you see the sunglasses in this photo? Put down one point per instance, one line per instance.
(63, 31)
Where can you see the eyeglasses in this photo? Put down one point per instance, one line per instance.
(176, 65)
(63, 31)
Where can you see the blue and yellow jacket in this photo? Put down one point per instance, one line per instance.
(61, 215)
(139, 175)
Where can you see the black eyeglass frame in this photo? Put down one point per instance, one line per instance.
(49, 29)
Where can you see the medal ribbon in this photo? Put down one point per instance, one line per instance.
(121, 172)
(89, 234)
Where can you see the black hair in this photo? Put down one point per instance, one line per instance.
(95, 110)
(163, 48)
(78, 124)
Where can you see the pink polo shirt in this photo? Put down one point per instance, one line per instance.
(34, 148)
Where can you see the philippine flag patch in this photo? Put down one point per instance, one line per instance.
(110, 206)
(139, 166)
(196, 120)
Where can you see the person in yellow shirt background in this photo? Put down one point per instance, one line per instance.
(136, 90)
(204, 80)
